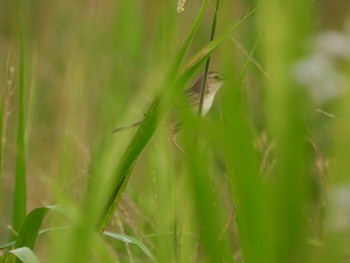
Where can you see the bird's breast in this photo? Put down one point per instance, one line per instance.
(207, 103)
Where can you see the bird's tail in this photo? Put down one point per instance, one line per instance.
(125, 127)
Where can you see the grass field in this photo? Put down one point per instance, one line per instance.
(263, 177)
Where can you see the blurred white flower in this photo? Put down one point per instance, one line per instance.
(325, 71)
(334, 44)
(318, 73)
(339, 209)
(181, 5)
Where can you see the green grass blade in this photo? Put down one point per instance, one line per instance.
(189, 38)
(209, 218)
(23, 254)
(207, 64)
(244, 172)
(145, 131)
(19, 203)
(7, 245)
(242, 162)
(127, 162)
(29, 230)
(131, 240)
(2, 111)
(208, 49)
(42, 231)
(149, 124)
(287, 115)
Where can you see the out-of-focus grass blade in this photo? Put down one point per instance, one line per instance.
(19, 203)
(131, 240)
(149, 124)
(43, 231)
(287, 115)
(7, 245)
(208, 215)
(248, 189)
(2, 110)
(145, 131)
(198, 59)
(101, 251)
(336, 234)
(179, 58)
(23, 254)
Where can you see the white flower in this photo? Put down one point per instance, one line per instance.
(324, 72)
(333, 43)
(321, 77)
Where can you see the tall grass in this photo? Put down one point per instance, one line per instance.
(252, 182)
(19, 198)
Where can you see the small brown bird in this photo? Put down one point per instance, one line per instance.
(214, 82)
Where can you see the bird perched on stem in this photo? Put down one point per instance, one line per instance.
(193, 94)
(214, 82)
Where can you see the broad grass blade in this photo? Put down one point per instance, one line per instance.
(145, 131)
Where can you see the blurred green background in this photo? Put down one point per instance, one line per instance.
(267, 181)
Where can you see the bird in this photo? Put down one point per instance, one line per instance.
(214, 82)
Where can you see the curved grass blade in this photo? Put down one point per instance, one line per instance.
(144, 132)
(30, 228)
(198, 59)
(179, 58)
(149, 123)
(207, 50)
(2, 111)
(23, 254)
(131, 240)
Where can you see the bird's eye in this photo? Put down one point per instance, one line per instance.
(217, 77)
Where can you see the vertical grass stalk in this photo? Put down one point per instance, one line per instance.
(207, 64)
(145, 131)
(19, 203)
(2, 110)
